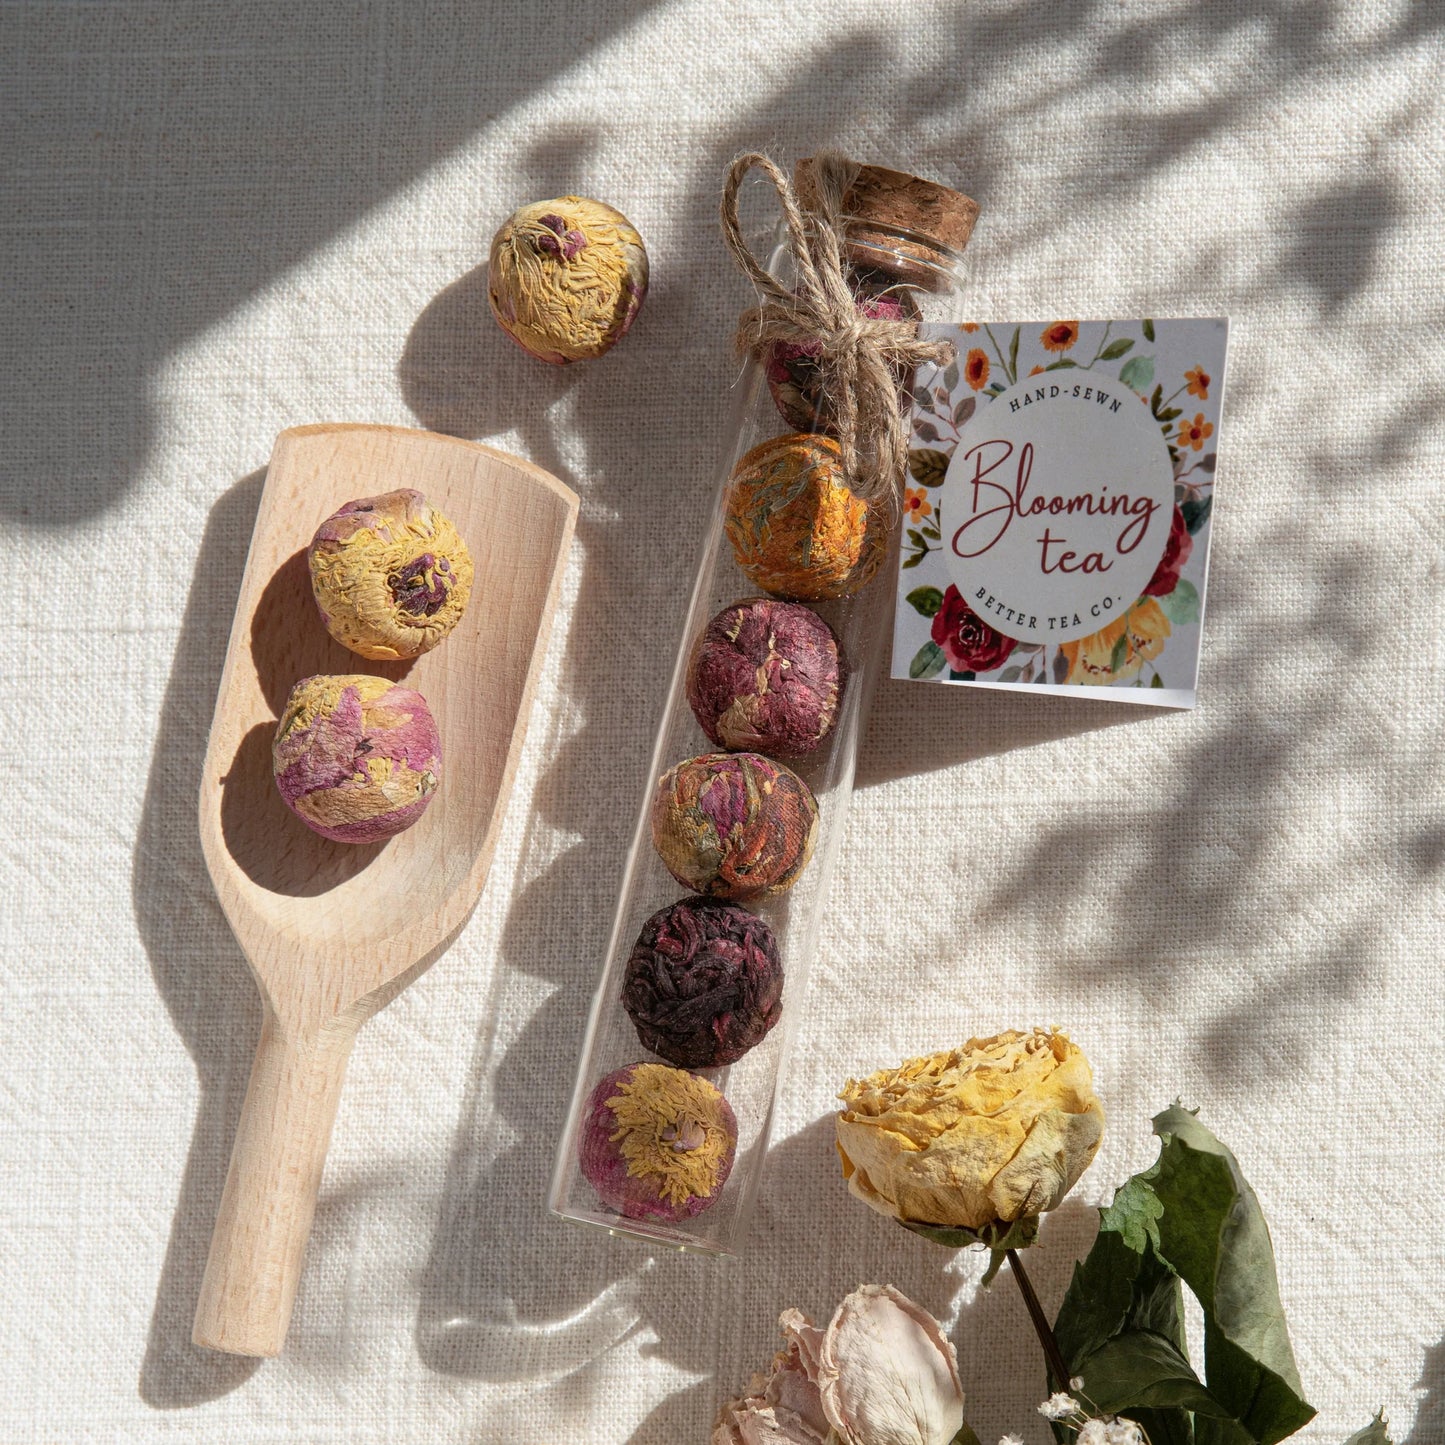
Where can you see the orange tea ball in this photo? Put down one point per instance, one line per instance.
(796, 529)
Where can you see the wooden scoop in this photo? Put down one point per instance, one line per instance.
(335, 931)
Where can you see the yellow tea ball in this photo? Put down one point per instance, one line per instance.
(796, 529)
(566, 278)
(390, 575)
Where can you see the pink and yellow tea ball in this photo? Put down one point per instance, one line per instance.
(355, 757)
(390, 574)
(657, 1142)
(566, 278)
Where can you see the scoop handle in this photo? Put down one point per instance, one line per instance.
(270, 1196)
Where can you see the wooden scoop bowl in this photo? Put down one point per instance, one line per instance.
(334, 931)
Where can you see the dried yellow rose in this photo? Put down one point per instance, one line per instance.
(972, 1138)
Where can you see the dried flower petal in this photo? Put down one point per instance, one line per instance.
(1058, 1406)
(882, 1373)
(887, 1373)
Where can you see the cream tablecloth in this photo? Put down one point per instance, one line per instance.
(221, 220)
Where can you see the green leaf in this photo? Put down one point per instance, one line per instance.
(927, 466)
(1206, 462)
(1148, 329)
(1060, 365)
(1165, 1427)
(1137, 372)
(914, 559)
(965, 1436)
(1120, 652)
(1181, 606)
(1102, 1295)
(1013, 356)
(1116, 349)
(950, 376)
(1196, 514)
(1140, 1368)
(1169, 413)
(1134, 1214)
(1192, 1218)
(926, 600)
(1156, 681)
(997, 388)
(1375, 1433)
(1214, 1236)
(927, 662)
(1155, 397)
(964, 410)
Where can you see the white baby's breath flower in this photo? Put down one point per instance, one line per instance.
(1058, 1406)
(1077, 1383)
(1123, 1432)
(1010, 1440)
(1093, 1432)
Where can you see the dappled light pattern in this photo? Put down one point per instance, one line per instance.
(226, 220)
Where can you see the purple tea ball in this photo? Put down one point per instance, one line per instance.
(704, 983)
(657, 1142)
(356, 758)
(765, 677)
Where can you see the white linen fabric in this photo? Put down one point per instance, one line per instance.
(222, 220)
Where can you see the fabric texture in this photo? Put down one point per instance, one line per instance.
(223, 220)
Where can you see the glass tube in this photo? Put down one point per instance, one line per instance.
(922, 275)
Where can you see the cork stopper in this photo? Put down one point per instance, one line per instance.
(908, 227)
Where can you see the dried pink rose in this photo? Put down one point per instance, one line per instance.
(882, 1373)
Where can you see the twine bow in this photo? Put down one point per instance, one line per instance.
(860, 357)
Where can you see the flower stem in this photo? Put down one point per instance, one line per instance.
(1057, 1368)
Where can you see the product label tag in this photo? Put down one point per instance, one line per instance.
(1058, 505)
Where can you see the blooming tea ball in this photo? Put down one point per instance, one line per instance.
(733, 825)
(356, 758)
(764, 676)
(566, 278)
(704, 983)
(657, 1142)
(796, 529)
(796, 381)
(390, 575)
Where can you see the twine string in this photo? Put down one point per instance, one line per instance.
(859, 357)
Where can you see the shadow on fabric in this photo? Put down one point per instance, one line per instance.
(199, 969)
(184, 166)
(513, 1295)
